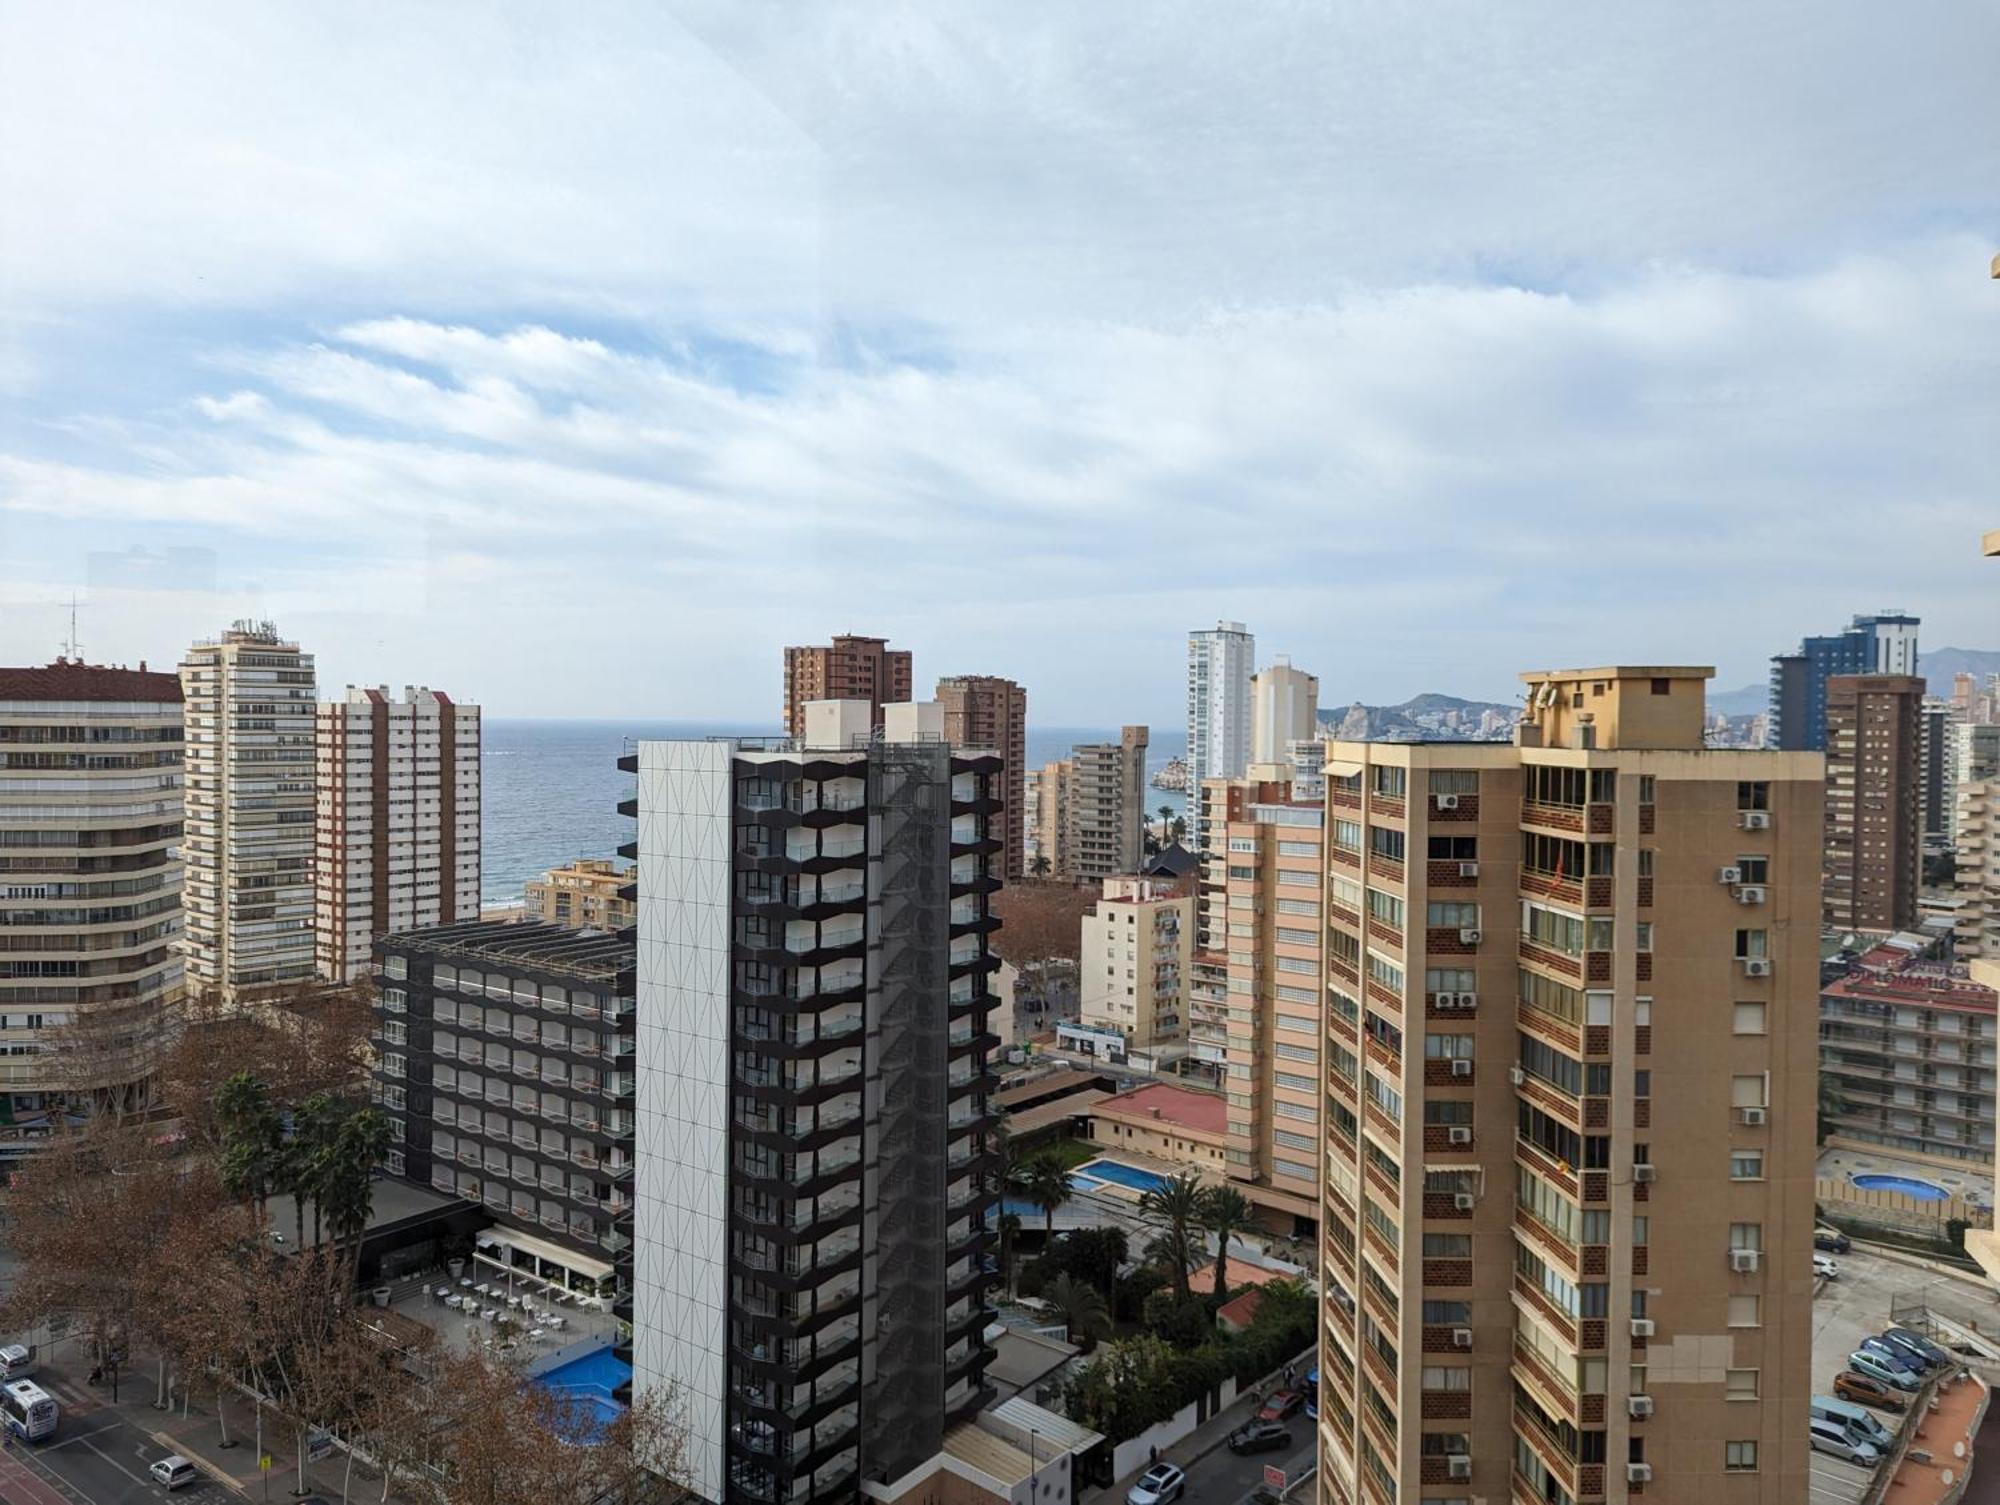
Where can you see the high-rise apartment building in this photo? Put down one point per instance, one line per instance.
(1220, 661)
(1885, 643)
(250, 810)
(1284, 709)
(1874, 801)
(1569, 1092)
(1256, 1009)
(1132, 968)
(587, 894)
(1047, 796)
(1971, 756)
(1933, 775)
(396, 842)
(985, 711)
(504, 1058)
(90, 889)
(1976, 877)
(817, 1154)
(1105, 822)
(848, 668)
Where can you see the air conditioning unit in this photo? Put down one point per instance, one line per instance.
(1639, 1407)
(1516, 1075)
(1750, 893)
(1469, 937)
(1445, 801)
(1729, 875)
(1754, 820)
(1467, 1001)
(1638, 1473)
(1468, 870)
(1459, 1465)
(1756, 966)
(1461, 1066)
(1464, 1201)
(1458, 1134)
(1642, 1327)
(1743, 1261)
(1642, 1172)
(1752, 1116)
(1461, 1337)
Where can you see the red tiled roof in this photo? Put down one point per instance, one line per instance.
(1238, 1310)
(1202, 1111)
(87, 682)
(1201, 1279)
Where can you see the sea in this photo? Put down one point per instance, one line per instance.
(551, 788)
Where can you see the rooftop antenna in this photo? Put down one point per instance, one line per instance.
(72, 649)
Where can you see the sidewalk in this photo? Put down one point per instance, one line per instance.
(198, 1438)
(1212, 1433)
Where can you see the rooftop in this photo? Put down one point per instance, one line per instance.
(65, 680)
(1928, 986)
(1204, 1112)
(600, 954)
(1201, 1279)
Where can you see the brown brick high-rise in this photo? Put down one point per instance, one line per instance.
(1874, 801)
(984, 710)
(848, 668)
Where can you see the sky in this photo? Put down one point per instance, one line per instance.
(575, 359)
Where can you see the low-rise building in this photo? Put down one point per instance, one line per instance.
(587, 893)
(1176, 1125)
(1907, 1051)
(1132, 968)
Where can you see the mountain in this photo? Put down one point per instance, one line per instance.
(1747, 701)
(1940, 664)
(1427, 715)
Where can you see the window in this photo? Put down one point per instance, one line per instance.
(1454, 781)
(1753, 795)
(1552, 928)
(396, 966)
(1647, 788)
(1386, 842)
(1746, 1165)
(1346, 892)
(1386, 973)
(1292, 937)
(1347, 835)
(1755, 869)
(1642, 936)
(1298, 849)
(1453, 849)
(1603, 785)
(1747, 1091)
(1751, 945)
(1744, 1311)
(1555, 786)
(1555, 856)
(1746, 1235)
(1385, 907)
(1242, 874)
(1642, 1230)
(1450, 980)
(1293, 1083)
(1749, 1018)
(1296, 964)
(1740, 1457)
(1453, 916)
(1452, 1377)
(1304, 1053)
(1597, 1007)
(1739, 1384)
(1447, 1246)
(1389, 781)
(1663, 686)
(1443, 1113)
(1304, 908)
(1554, 998)
(1243, 844)
(1447, 1047)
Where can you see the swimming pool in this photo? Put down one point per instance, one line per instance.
(585, 1384)
(1909, 1186)
(1025, 1210)
(1092, 1176)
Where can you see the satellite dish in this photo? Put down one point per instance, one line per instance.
(1945, 1478)
(1958, 1450)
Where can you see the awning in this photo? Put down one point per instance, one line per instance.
(1341, 768)
(1051, 1430)
(541, 1248)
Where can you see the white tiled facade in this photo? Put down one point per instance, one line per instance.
(1220, 661)
(680, 1271)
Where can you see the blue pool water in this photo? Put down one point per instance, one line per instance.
(1087, 1177)
(1922, 1191)
(1027, 1212)
(586, 1384)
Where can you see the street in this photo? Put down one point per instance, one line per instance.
(1222, 1478)
(97, 1457)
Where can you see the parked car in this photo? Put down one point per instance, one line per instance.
(1282, 1403)
(1908, 1348)
(1312, 1394)
(1834, 1440)
(1895, 1354)
(1157, 1485)
(1863, 1361)
(1259, 1437)
(1825, 1268)
(173, 1471)
(1831, 1239)
(1936, 1352)
(1859, 1388)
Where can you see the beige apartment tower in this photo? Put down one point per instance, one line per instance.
(90, 889)
(1132, 968)
(588, 894)
(250, 811)
(1570, 1086)
(848, 668)
(1874, 801)
(985, 711)
(1256, 1011)
(396, 836)
(1284, 708)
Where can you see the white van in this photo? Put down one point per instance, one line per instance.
(16, 1362)
(1860, 1422)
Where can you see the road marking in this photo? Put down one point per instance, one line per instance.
(135, 1478)
(216, 1474)
(24, 1487)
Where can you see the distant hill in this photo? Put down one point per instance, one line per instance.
(1747, 701)
(1940, 664)
(1427, 715)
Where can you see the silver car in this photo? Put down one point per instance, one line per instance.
(1157, 1485)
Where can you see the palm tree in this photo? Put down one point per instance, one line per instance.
(1176, 1206)
(1223, 1212)
(362, 1143)
(1045, 1182)
(1177, 829)
(1040, 866)
(252, 1135)
(1083, 1309)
